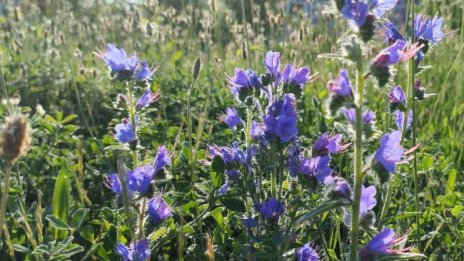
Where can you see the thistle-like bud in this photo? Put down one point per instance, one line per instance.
(14, 138)
(244, 51)
(196, 68)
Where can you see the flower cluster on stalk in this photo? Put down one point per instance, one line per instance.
(137, 183)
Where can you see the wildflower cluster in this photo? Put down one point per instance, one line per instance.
(135, 186)
(272, 153)
(364, 19)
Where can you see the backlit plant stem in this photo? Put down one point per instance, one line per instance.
(192, 172)
(6, 188)
(358, 176)
(412, 98)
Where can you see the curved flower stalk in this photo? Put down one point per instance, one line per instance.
(135, 185)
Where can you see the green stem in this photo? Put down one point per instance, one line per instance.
(358, 176)
(245, 27)
(191, 163)
(130, 90)
(413, 125)
(386, 201)
(6, 187)
(274, 174)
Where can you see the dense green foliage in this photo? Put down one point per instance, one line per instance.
(47, 60)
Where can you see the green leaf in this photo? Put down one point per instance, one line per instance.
(21, 249)
(58, 223)
(61, 195)
(404, 256)
(217, 215)
(78, 217)
(233, 204)
(91, 251)
(326, 206)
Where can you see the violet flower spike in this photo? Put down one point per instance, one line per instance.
(231, 118)
(341, 86)
(326, 145)
(124, 132)
(158, 210)
(318, 168)
(113, 183)
(429, 30)
(396, 95)
(139, 179)
(272, 62)
(147, 98)
(379, 7)
(297, 76)
(390, 151)
(382, 244)
(142, 248)
(355, 12)
(390, 33)
(395, 53)
(162, 159)
(399, 119)
(271, 209)
(368, 200)
(307, 253)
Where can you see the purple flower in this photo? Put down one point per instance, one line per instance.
(117, 59)
(390, 33)
(158, 210)
(147, 98)
(382, 244)
(250, 222)
(243, 80)
(350, 115)
(395, 53)
(355, 12)
(123, 66)
(341, 188)
(271, 209)
(307, 253)
(396, 95)
(256, 129)
(113, 183)
(233, 174)
(281, 118)
(296, 76)
(318, 168)
(379, 7)
(368, 200)
(286, 128)
(390, 151)
(142, 248)
(230, 155)
(144, 72)
(223, 189)
(399, 119)
(162, 159)
(231, 118)
(124, 133)
(429, 30)
(272, 62)
(341, 86)
(328, 144)
(294, 158)
(139, 179)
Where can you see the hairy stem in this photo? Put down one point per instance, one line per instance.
(412, 98)
(358, 176)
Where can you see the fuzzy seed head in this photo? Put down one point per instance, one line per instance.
(196, 68)
(14, 138)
